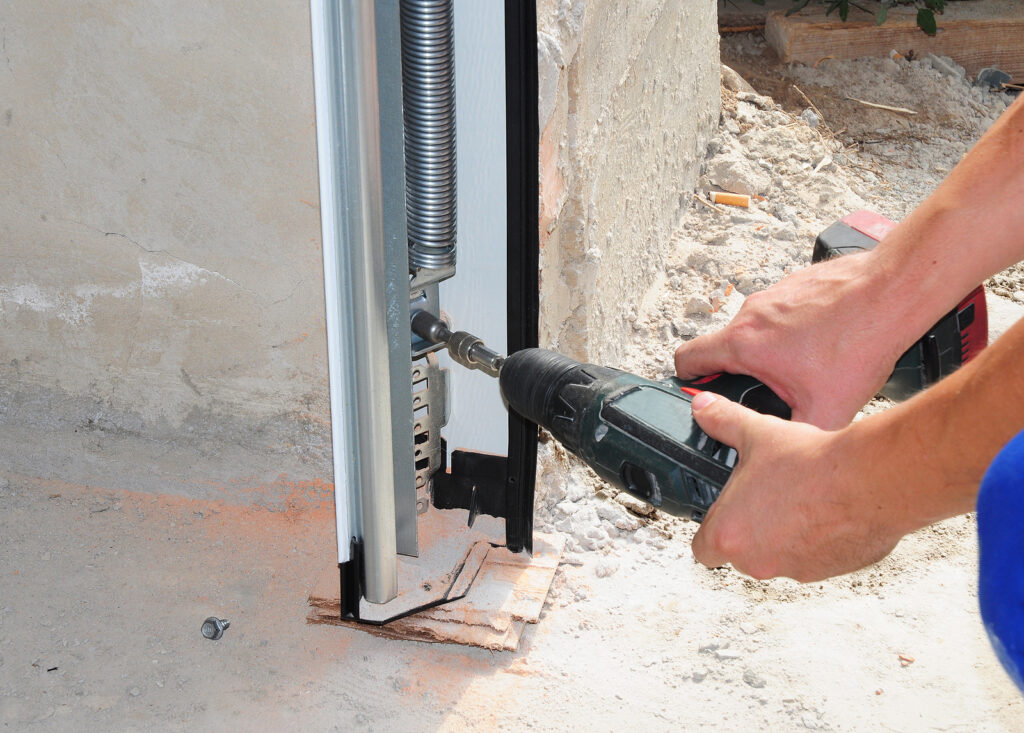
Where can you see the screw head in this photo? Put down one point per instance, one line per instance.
(213, 627)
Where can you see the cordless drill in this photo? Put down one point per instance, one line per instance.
(637, 434)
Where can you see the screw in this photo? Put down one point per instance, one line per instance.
(213, 627)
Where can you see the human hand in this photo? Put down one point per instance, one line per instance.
(801, 503)
(824, 339)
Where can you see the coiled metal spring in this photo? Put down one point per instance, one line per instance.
(428, 93)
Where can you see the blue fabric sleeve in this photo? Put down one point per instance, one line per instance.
(1001, 556)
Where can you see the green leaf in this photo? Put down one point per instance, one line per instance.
(832, 6)
(844, 11)
(926, 21)
(882, 13)
(757, 2)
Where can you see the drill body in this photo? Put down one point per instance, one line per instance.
(637, 434)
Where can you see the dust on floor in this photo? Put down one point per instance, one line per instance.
(102, 593)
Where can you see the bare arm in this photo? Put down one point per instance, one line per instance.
(810, 504)
(826, 338)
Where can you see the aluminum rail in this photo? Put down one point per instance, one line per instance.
(348, 148)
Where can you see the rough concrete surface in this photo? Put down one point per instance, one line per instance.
(161, 286)
(629, 96)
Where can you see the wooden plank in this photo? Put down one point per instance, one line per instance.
(506, 594)
(434, 631)
(975, 35)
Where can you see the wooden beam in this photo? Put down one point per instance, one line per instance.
(975, 35)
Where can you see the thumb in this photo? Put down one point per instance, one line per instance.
(723, 419)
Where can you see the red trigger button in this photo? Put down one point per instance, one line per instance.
(690, 390)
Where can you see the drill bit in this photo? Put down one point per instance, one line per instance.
(465, 348)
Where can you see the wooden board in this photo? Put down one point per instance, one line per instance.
(975, 35)
(504, 595)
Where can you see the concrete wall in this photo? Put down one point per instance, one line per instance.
(629, 96)
(161, 277)
(161, 294)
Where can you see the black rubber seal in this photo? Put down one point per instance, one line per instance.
(522, 146)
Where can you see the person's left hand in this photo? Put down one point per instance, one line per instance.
(801, 502)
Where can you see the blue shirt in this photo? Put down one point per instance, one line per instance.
(1001, 556)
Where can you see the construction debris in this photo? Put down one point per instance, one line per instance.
(902, 110)
(731, 199)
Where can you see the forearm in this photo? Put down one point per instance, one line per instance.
(929, 454)
(967, 230)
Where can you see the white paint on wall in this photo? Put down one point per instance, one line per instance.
(160, 277)
(26, 295)
(74, 304)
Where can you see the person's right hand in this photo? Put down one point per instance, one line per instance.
(825, 339)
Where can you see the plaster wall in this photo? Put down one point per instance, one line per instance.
(629, 96)
(161, 276)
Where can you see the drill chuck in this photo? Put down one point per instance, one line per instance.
(550, 389)
(464, 348)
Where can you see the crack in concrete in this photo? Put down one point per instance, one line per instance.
(295, 289)
(189, 383)
(261, 300)
(3, 48)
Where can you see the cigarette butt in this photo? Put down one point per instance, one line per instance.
(731, 199)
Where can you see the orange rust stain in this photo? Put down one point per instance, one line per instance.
(297, 340)
(316, 418)
(308, 497)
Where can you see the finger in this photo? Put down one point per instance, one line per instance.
(704, 355)
(723, 419)
(703, 548)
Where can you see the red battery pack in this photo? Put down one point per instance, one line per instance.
(956, 339)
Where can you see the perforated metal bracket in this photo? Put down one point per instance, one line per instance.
(430, 414)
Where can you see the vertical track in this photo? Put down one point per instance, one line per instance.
(348, 149)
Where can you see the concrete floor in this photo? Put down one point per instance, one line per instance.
(103, 592)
